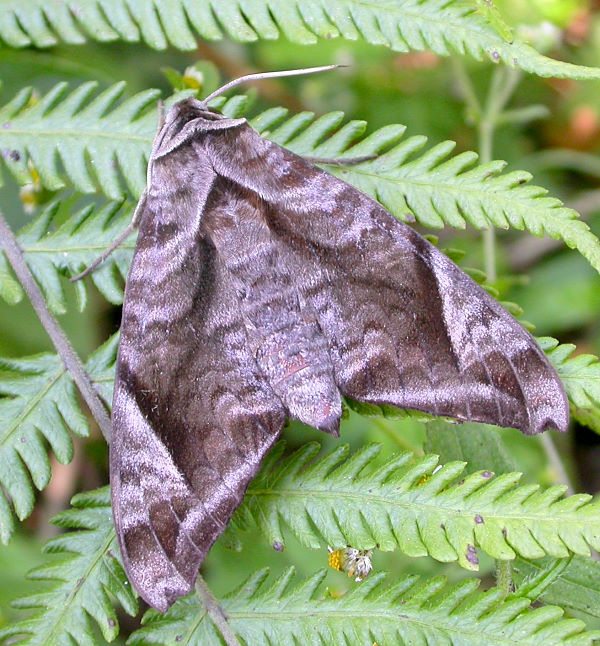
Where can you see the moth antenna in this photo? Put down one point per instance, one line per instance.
(90, 268)
(267, 75)
(131, 227)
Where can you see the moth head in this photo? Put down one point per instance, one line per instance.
(190, 117)
(186, 120)
(190, 109)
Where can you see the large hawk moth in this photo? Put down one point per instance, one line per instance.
(263, 288)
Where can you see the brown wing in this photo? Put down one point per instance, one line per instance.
(192, 415)
(403, 324)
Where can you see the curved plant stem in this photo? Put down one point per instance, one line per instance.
(502, 86)
(215, 611)
(467, 90)
(71, 361)
(556, 463)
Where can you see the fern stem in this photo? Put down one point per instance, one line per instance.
(489, 235)
(71, 361)
(504, 579)
(467, 90)
(556, 463)
(215, 611)
(503, 84)
(486, 141)
(485, 120)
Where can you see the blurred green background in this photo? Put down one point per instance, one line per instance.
(557, 289)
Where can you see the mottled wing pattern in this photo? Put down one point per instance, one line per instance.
(261, 288)
(402, 324)
(286, 342)
(192, 415)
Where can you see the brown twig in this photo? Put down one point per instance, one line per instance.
(71, 362)
(215, 611)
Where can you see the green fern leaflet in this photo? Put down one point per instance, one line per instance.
(81, 581)
(442, 26)
(264, 612)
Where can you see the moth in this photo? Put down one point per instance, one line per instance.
(264, 288)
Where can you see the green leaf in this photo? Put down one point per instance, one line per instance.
(414, 505)
(38, 407)
(442, 26)
(436, 188)
(263, 611)
(581, 376)
(96, 141)
(478, 445)
(10, 289)
(90, 129)
(577, 586)
(494, 17)
(51, 250)
(82, 580)
(533, 587)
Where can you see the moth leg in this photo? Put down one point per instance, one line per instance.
(343, 161)
(131, 227)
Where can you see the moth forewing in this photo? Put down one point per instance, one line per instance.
(263, 288)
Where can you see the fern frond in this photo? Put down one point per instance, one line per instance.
(577, 586)
(91, 137)
(340, 500)
(437, 189)
(263, 612)
(84, 136)
(53, 250)
(81, 581)
(38, 405)
(581, 376)
(442, 26)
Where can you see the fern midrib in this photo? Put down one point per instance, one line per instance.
(106, 378)
(584, 379)
(359, 500)
(370, 616)
(81, 134)
(71, 596)
(503, 195)
(195, 625)
(28, 408)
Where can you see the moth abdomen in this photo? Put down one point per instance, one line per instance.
(297, 365)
